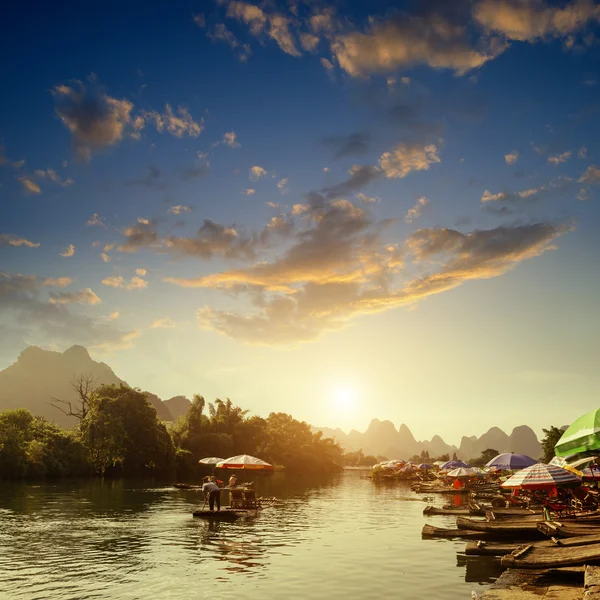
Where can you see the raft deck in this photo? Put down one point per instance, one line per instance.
(227, 514)
(530, 556)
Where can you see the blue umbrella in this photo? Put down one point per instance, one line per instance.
(511, 462)
(453, 464)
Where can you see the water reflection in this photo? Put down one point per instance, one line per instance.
(334, 537)
(480, 569)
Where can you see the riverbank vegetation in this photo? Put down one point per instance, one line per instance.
(119, 434)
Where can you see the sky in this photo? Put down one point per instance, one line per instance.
(339, 210)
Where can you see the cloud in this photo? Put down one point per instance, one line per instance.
(114, 315)
(512, 157)
(136, 283)
(178, 124)
(220, 33)
(282, 185)
(96, 219)
(85, 296)
(166, 323)
(309, 42)
(31, 187)
(95, 119)
(179, 209)
(53, 176)
(68, 251)
(559, 158)
(340, 269)
(138, 236)
(359, 177)
(12, 240)
(4, 161)
(367, 199)
(354, 144)
(275, 26)
(58, 281)
(213, 239)
(438, 39)
(406, 158)
(248, 192)
(416, 211)
(532, 20)
(591, 175)
(35, 320)
(230, 139)
(105, 257)
(257, 172)
(141, 272)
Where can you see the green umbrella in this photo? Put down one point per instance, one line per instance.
(582, 436)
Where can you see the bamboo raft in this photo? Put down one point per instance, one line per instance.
(532, 557)
(429, 531)
(482, 548)
(227, 514)
(435, 510)
(502, 527)
(561, 529)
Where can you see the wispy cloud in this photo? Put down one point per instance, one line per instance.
(282, 185)
(558, 159)
(165, 323)
(416, 211)
(136, 283)
(30, 186)
(12, 240)
(58, 281)
(97, 220)
(179, 209)
(68, 251)
(178, 124)
(53, 176)
(256, 172)
(141, 272)
(248, 192)
(512, 157)
(85, 296)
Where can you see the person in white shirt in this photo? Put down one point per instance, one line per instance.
(232, 481)
(212, 492)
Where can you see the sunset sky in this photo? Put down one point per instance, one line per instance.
(309, 207)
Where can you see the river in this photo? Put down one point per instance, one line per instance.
(340, 537)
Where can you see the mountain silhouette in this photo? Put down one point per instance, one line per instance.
(177, 406)
(39, 377)
(382, 438)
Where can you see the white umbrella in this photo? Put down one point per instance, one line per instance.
(210, 460)
(464, 472)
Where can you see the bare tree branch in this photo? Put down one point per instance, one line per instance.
(84, 386)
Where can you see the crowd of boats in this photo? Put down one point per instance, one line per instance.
(540, 518)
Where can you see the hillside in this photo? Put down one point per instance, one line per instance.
(39, 375)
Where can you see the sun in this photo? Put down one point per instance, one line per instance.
(344, 398)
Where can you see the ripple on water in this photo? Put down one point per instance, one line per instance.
(340, 538)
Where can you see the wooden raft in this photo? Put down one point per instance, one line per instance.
(501, 527)
(501, 548)
(227, 514)
(562, 529)
(435, 510)
(532, 557)
(429, 531)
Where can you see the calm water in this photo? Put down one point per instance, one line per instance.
(343, 537)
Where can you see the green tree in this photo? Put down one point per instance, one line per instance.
(550, 439)
(122, 432)
(485, 457)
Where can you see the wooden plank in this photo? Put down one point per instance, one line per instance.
(501, 548)
(592, 577)
(564, 529)
(429, 531)
(500, 527)
(558, 556)
(435, 510)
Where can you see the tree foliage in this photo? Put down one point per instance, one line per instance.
(550, 439)
(485, 457)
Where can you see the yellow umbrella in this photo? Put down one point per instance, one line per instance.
(573, 470)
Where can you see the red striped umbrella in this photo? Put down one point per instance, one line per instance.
(245, 461)
(541, 476)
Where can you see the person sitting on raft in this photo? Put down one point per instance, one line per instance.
(212, 492)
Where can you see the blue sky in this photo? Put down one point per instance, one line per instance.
(336, 212)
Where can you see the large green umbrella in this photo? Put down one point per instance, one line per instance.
(581, 437)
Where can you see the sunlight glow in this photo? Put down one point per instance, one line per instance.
(344, 399)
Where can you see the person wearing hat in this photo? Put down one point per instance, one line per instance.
(212, 492)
